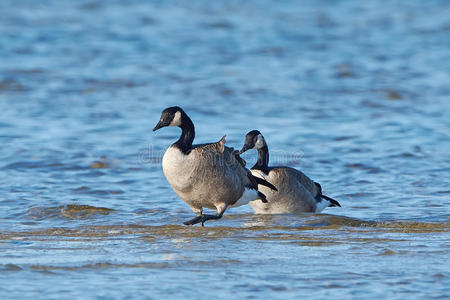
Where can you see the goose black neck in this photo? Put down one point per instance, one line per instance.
(263, 160)
(184, 143)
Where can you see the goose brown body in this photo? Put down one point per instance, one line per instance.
(208, 176)
(296, 191)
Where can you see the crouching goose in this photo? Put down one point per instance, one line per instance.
(296, 191)
(207, 175)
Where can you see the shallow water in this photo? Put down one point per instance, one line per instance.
(355, 94)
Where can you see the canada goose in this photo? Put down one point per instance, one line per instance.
(207, 175)
(296, 191)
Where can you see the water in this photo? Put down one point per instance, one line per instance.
(353, 93)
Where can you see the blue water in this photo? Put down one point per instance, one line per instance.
(353, 93)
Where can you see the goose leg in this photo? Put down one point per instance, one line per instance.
(204, 217)
(194, 221)
(220, 210)
(198, 212)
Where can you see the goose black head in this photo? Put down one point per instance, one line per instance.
(171, 116)
(253, 140)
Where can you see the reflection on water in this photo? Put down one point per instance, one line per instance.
(353, 93)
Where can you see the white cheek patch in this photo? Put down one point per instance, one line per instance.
(260, 142)
(176, 121)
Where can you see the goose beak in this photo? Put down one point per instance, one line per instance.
(245, 148)
(158, 126)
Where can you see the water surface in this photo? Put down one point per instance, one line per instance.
(354, 94)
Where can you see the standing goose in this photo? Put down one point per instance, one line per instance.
(207, 175)
(296, 191)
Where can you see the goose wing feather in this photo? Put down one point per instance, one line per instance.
(290, 191)
(304, 180)
(222, 159)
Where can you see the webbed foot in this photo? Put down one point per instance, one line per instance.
(202, 219)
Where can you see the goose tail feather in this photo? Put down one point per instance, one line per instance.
(332, 201)
(265, 183)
